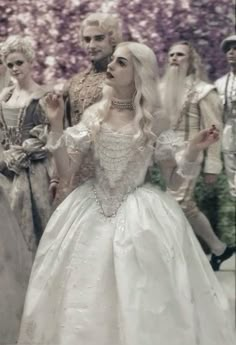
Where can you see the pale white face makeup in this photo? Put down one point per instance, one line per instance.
(97, 43)
(120, 71)
(18, 66)
(178, 55)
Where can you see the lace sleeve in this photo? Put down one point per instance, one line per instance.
(169, 153)
(75, 139)
(167, 144)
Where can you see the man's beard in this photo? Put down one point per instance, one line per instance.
(101, 64)
(173, 91)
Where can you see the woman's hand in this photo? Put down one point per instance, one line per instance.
(54, 107)
(202, 141)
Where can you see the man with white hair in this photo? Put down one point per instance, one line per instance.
(193, 104)
(226, 87)
(100, 33)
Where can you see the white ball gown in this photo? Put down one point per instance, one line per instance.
(118, 263)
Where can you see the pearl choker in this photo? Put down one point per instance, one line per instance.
(122, 104)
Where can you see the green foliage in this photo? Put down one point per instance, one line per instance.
(219, 206)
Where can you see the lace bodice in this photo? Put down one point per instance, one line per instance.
(11, 114)
(121, 163)
(121, 166)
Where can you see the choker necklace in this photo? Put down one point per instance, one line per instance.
(122, 104)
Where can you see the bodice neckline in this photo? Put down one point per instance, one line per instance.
(10, 107)
(127, 129)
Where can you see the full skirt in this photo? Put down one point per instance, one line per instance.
(15, 266)
(138, 278)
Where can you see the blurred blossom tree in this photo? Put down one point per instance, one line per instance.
(55, 27)
(160, 23)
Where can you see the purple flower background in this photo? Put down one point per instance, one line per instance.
(54, 25)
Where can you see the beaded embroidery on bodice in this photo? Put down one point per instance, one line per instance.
(10, 122)
(121, 165)
(84, 90)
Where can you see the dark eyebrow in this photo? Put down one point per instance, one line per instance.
(101, 35)
(122, 58)
(177, 53)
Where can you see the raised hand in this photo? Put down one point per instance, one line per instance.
(54, 107)
(201, 141)
(204, 139)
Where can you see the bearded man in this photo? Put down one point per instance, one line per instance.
(192, 105)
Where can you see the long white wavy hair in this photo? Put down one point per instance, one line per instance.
(149, 119)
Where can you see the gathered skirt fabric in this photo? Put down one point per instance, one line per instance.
(15, 266)
(138, 278)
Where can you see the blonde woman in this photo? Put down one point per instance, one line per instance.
(24, 165)
(118, 263)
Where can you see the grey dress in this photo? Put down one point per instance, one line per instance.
(25, 166)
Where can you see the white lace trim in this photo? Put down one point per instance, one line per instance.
(189, 170)
(121, 164)
(76, 139)
(167, 144)
(120, 168)
(114, 152)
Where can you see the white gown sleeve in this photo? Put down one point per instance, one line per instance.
(169, 154)
(76, 140)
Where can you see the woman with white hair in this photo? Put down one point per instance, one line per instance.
(24, 166)
(118, 262)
